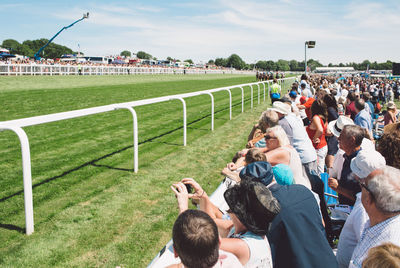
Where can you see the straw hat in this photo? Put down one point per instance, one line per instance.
(337, 126)
(281, 107)
(391, 105)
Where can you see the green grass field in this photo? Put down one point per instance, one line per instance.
(90, 209)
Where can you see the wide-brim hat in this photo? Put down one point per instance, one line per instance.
(253, 204)
(337, 125)
(260, 171)
(367, 161)
(281, 107)
(391, 105)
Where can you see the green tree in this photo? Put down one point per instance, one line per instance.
(293, 65)
(221, 62)
(189, 61)
(13, 45)
(261, 64)
(270, 65)
(282, 65)
(143, 55)
(211, 62)
(313, 64)
(236, 62)
(126, 53)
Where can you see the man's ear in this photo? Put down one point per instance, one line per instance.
(175, 253)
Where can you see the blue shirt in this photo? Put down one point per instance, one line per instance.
(383, 232)
(364, 120)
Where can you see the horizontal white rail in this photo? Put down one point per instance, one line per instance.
(57, 69)
(17, 125)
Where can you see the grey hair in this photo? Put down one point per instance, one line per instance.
(354, 131)
(385, 188)
(270, 118)
(280, 135)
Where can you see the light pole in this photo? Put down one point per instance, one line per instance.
(307, 44)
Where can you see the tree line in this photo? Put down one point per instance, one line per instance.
(30, 47)
(53, 50)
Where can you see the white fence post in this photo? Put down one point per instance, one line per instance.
(135, 138)
(241, 88)
(258, 86)
(184, 119)
(251, 94)
(230, 103)
(27, 176)
(212, 109)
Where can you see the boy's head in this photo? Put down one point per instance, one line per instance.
(255, 155)
(195, 238)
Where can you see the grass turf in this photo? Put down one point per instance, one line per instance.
(89, 208)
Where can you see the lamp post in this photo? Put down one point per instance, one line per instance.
(307, 44)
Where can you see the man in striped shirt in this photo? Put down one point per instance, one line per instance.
(381, 200)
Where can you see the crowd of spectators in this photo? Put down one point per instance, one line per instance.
(275, 213)
(32, 61)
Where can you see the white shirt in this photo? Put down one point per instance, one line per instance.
(386, 231)
(351, 233)
(336, 170)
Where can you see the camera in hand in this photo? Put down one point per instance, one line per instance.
(189, 188)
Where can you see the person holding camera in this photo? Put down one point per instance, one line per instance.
(251, 209)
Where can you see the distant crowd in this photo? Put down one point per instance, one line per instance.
(274, 211)
(31, 61)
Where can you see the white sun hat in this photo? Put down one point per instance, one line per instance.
(281, 107)
(337, 126)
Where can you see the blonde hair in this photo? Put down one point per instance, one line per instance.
(384, 256)
(280, 135)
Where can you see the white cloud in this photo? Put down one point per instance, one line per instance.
(254, 30)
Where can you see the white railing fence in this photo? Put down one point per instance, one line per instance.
(46, 69)
(17, 125)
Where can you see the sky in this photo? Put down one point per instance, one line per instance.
(344, 30)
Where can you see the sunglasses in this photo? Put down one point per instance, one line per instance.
(363, 185)
(268, 137)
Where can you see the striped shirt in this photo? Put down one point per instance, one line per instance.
(386, 231)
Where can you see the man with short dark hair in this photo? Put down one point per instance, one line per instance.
(350, 140)
(363, 118)
(367, 98)
(196, 242)
(350, 107)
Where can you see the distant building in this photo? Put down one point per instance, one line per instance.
(334, 70)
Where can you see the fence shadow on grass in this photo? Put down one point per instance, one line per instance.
(12, 227)
(94, 161)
